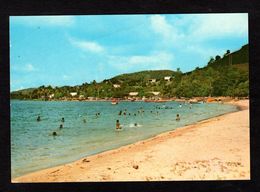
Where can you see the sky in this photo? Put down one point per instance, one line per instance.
(71, 50)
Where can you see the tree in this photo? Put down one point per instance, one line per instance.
(211, 60)
(217, 57)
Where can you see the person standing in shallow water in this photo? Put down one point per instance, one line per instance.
(178, 117)
(62, 120)
(118, 124)
(38, 118)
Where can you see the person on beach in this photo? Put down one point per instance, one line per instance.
(178, 117)
(118, 124)
(62, 120)
(38, 118)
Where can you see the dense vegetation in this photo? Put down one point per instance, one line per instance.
(222, 76)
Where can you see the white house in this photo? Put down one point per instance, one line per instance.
(133, 93)
(116, 85)
(73, 94)
(51, 96)
(155, 93)
(81, 97)
(152, 80)
(167, 78)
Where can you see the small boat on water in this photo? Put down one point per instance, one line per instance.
(114, 102)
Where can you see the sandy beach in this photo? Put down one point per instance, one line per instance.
(214, 149)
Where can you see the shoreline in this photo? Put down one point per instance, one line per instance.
(125, 163)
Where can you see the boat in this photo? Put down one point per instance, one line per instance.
(114, 102)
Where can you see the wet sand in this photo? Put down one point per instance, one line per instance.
(214, 149)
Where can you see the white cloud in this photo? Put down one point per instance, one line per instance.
(44, 20)
(65, 77)
(220, 25)
(161, 26)
(199, 27)
(88, 46)
(29, 68)
(155, 61)
(23, 68)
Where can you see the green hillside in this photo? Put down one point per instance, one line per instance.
(222, 76)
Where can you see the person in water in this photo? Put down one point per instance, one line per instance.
(61, 126)
(62, 119)
(178, 117)
(84, 120)
(118, 124)
(54, 133)
(38, 118)
(135, 124)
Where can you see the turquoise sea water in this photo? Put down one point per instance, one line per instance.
(33, 147)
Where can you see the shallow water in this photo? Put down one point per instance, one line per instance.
(33, 147)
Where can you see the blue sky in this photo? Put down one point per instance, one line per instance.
(71, 50)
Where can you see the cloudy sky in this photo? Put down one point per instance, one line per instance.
(71, 50)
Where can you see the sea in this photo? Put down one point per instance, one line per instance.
(90, 128)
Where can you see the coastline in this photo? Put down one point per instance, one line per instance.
(212, 149)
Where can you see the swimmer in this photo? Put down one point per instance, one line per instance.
(135, 124)
(38, 118)
(180, 105)
(62, 119)
(61, 126)
(118, 124)
(84, 120)
(54, 133)
(120, 113)
(178, 117)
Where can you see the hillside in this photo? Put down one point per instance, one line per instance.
(222, 76)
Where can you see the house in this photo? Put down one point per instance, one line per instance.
(73, 94)
(116, 85)
(133, 93)
(51, 96)
(167, 78)
(81, 97)
(155, 93)
(152, 80)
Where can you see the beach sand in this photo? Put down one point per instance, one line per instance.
(214, 149)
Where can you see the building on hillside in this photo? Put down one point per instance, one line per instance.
(73, 94)
(133, 93)
(152, 80)
(155, 93)
(167, 78)
(82, 97)
(116, 85)
(51, 96)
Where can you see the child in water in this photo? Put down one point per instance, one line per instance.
(118, 124)
(178, 117)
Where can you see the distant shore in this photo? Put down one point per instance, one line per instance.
(133, 99)
(213, 149)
